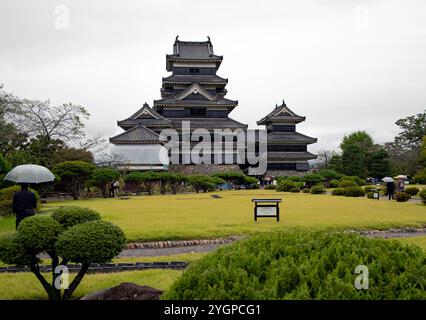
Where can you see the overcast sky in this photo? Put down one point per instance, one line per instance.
(345, 65)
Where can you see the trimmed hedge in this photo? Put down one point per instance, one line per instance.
(412, 191)
(368, 189)
(339, 192)
(319, 189)
(285, 186)
(354, 192)
(347, 184)
(303, 265)
(270, 187)
(70, 216)
(402, 197)
(295, 190)
(306, 190)
(422, 195)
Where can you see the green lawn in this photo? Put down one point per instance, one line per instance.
(25, 286)
(190, 216)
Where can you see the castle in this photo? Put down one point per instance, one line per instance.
(195, 94)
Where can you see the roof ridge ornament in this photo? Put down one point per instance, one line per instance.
(177, 45)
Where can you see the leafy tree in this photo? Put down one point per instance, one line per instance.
(176, 181)
(10, 138)
(359, 138)
(353, 161)
(423, 151)
(146, 180)
(312, 179)
(236, 178)
(413, 130)
(364, 146)
(328, 175)
(102, 177)
(335, 163)
(65, 239)
(204, 183)
(420, 177)
(74, 175)
(136, 179)
(380, 166)
(402, 160)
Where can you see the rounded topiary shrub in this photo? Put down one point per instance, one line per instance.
(91, 242)
(12, 251)
(317, 189)
(295, 190)
(306, 190)
(6, 197)
(70, 216)
(422, 195)
(354, 192)
(412, 191)
(334, 183)
(402, 197)
(305, 266)
(39, 233)
(368, 189)
(339, 192)
(270, 187)
(285, 186)
(347, 184)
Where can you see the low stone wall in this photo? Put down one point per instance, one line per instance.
(203, 169)
(177, 243)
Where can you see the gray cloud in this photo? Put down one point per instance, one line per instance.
(343, 76)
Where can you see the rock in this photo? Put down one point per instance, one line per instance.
(125, 291)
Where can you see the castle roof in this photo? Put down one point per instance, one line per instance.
(281, 114)
(145, 116)
(137, 135)
(192, 51)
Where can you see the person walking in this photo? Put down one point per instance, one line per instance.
(24, 204)
(400, 185)
(112, 190)
(390, 187)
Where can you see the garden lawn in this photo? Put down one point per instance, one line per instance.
(25, 286)
(192, 216)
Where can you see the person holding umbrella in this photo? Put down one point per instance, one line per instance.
(24, 201)
(390, 186)
(400, 185)
(24, 204)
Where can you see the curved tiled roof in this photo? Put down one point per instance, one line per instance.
(281, 113)
(195, 78)
(290, 138)
(137, 135)
(171, 102)
(286, 156)
(209, 123)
